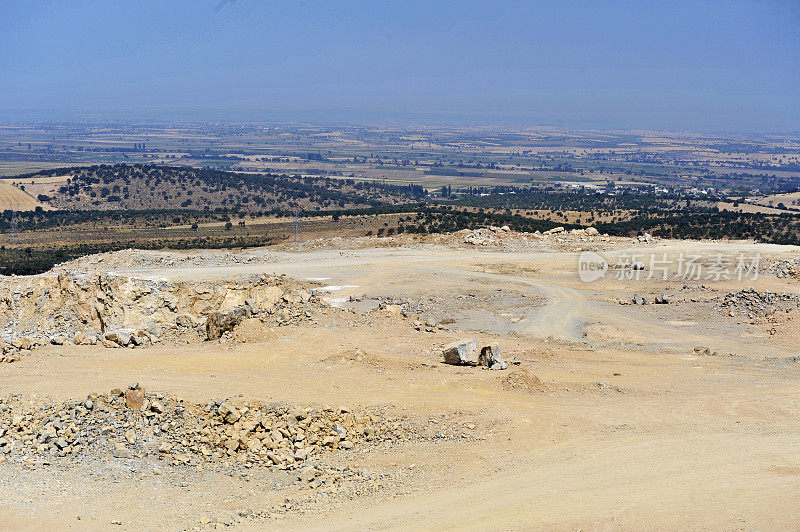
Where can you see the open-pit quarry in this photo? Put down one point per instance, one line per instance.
(475, 380)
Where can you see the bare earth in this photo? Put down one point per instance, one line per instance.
(627, 426)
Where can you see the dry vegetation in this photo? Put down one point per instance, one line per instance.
(13, 198)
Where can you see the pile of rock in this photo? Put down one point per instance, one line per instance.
(756, 305)
(508, 239)
(16, 348)
(465, 353)
(484, 236)
(784, 269)
(121, 338)
(707, 352)
(135, 424)
(412, 310)
(587, 234)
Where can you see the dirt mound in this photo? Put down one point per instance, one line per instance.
(520, 379)
(356, 357)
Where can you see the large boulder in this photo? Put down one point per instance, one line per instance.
(491, 358)
(463, 352)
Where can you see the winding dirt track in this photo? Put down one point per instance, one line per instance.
(569, 307)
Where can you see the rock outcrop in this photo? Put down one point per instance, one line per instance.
(127, 311)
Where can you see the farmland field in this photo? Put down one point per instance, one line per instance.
(12, 198)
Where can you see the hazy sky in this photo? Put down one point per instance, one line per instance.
(731, 65)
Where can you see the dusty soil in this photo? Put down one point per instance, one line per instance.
(608, 416)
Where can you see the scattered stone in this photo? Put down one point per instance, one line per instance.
(340, 431)
(120, 451)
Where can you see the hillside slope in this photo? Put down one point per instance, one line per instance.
(119, 187)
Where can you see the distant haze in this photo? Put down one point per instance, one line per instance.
(710, 66)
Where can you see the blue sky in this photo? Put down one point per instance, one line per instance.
(728, 66)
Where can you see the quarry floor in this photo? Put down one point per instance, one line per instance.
(626, 427)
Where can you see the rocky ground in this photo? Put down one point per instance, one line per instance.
(91, 307)
(758, 305)
(468, 380)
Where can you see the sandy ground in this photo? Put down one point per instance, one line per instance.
(629, 427)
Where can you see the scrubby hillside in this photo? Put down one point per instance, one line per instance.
(159, 187)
